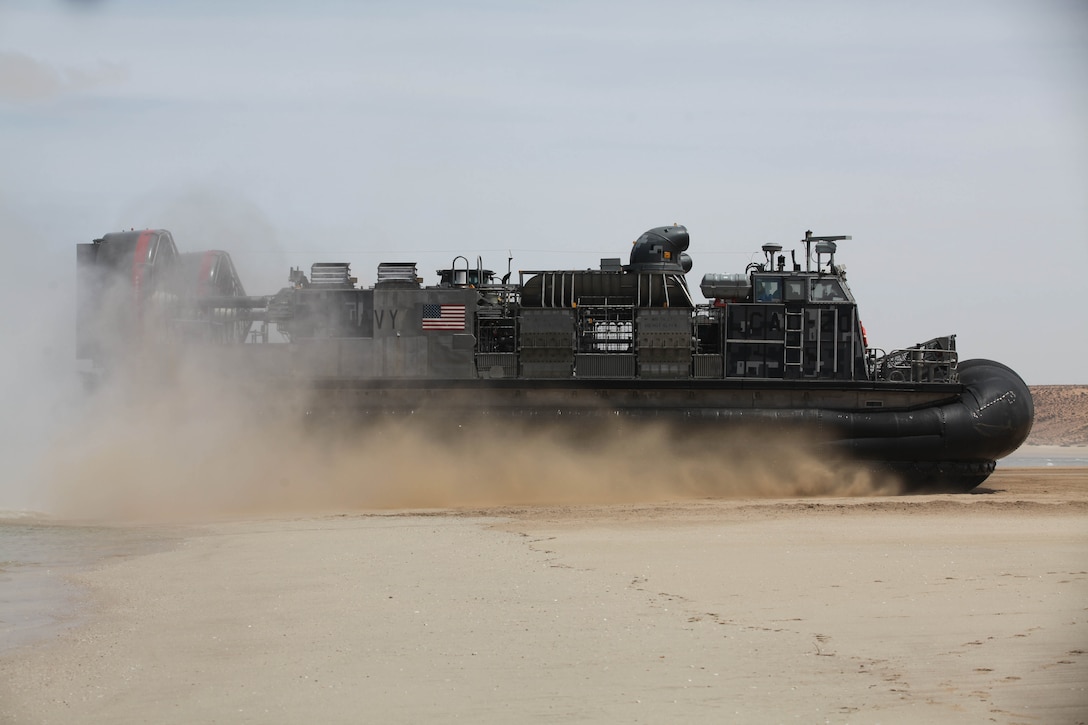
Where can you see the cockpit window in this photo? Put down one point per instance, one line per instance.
(827, 290)
(768, 289)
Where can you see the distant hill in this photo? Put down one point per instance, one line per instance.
(1061, 415)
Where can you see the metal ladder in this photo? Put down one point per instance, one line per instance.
(794, 347)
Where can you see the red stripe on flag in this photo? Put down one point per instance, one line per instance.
(443, 317)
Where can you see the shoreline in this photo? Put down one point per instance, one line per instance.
(1059, 451)
(931, 605)
(43, 559)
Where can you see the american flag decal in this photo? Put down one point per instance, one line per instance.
(443, 317)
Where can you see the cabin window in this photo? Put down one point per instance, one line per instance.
(795, 290)
(768, 289)
(827, 290)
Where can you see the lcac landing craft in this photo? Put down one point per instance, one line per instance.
(779, 345)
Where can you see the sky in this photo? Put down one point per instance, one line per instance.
(949, 139)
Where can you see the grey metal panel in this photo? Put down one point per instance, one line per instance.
(758, 358)
(360, 358)
(540, 354)
(259, 360)
(450, 357)
(547, 321)
(664, 320)
(396, 312)
(404, 357)
(597, 365)
(759, 322)
(367, 319)
(403, 349)
(316, 358)
(665, 354)
(547, 343)
(708, 366)
(547, 340)
(324, 313)
(546, 369)
(463, 342)
(497, 365)
(664, 369)
(664, 328)
(664, 343)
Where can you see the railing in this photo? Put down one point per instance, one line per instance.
(605, 325)
(934, 361)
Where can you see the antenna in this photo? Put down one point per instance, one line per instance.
(809, 240)
(770, 249)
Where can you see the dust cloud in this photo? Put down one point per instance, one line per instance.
(37, 381)
(173, 438)
(210, 216)
(183, 431)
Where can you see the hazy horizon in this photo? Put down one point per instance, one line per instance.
(947, 139)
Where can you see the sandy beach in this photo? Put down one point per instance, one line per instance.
(944, 608)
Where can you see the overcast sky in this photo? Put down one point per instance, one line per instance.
(949, 138)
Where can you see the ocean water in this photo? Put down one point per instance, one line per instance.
(1036, 460)
(37, 557)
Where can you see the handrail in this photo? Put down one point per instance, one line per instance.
(934, 361)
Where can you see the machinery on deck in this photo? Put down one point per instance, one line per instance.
(780, 344)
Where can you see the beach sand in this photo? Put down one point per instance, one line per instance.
(944, 608)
